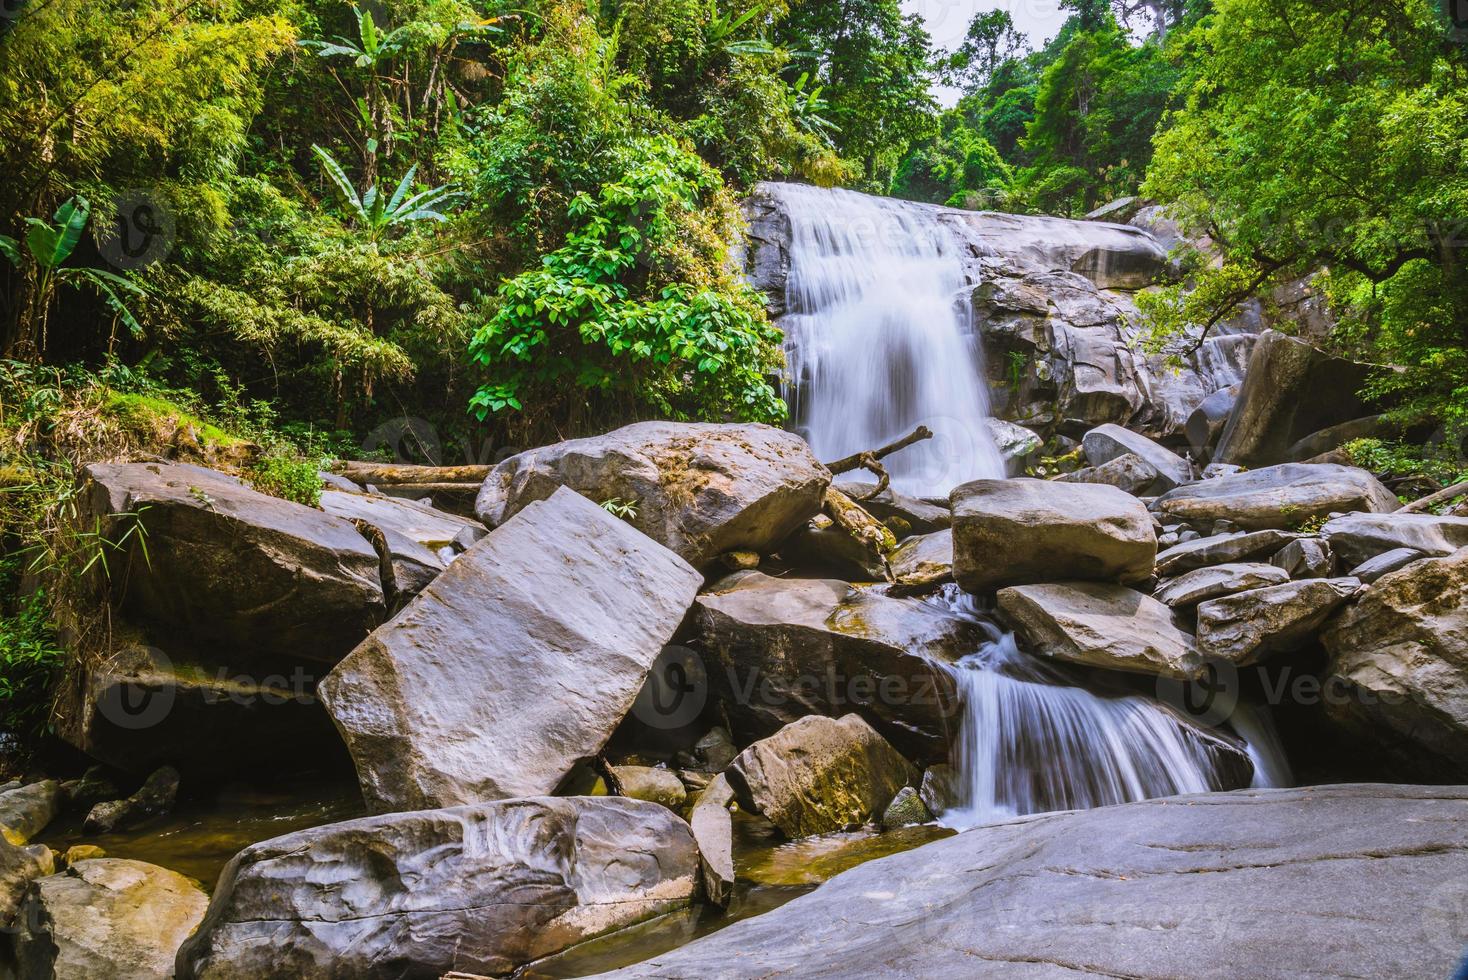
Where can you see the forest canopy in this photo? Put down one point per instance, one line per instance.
(516, 221)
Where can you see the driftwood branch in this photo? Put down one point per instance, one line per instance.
(1431, 500)
(858, 461)
(402, 475)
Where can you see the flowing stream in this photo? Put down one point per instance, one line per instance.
(880, 338)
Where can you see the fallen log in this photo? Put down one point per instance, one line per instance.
(1433, 499)
(404, 475)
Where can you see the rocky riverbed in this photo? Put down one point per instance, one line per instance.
(645, 701)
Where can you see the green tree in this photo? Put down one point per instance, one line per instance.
(1334, 136)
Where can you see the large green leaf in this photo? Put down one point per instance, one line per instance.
(52, 244)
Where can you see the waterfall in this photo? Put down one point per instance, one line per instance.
(880, 339)
(1030, 741)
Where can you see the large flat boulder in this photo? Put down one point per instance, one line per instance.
(1221, 549)
(1101, 625)
(228, 570)
(1403, 651)
(699, 489)
(1110, 441)
(1358, 538)
(26, 810)
(776, 650)
(106, 917)
(1291, 390)
(1284, 496)
(819, 774)
(1017, 532)
(1216, 581)
(479, 889)
(514, 665)
(1333, 881)
(923, 561)
(1246, 627)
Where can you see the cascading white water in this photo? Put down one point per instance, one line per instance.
(1030, 742)
(880, 339)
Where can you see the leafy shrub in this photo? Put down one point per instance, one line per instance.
(31, 659)
(281, 473)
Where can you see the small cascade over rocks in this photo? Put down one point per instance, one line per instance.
(881, 340)
(1031, 742)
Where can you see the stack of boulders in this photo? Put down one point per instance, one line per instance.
(489, 686)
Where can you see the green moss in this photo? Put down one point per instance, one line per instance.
(153, 411)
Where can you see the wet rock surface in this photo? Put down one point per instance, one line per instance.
(479, 889)
(699, 489)
(1242, 875)
(515, 664)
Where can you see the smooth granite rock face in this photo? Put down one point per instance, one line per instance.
(1217, 581)
(699, 489)
(1403, 652)
(1358, 538)
(477, 889)
(1283, 496)
(1108, 442)
(107, 917)
(1246, 627)
(1101, 625)
(1332, 881)
(819, 775)
(1019, 532)
(776, 650)
(514, 665)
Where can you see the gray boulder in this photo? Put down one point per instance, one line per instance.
(1101, 625)
(479, 889)
(232, 570)
(154, 798)
(1217, 581)
(1384, 564)
(1403, 652)
(426, 526)
(661, 786)
(923, 561)
(1014, 442)
(1220, 885)
(1107, 442)
(1130, 473)
(1249, 626)
(1284, 496)
(1016, 532)
(1360, 537)
(107, 917)
(1291, 390)
(819, 774)
(1206, 423)
(1305, 558)
(26, 810)
(19, 866)
(514, 665)
(776, 650)
(698, 489)
(1221, 550)
(713, 829)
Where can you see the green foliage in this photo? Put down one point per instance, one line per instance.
(617, 507)
(601, 316)
(31, 660)
(957, 167)
(376, 213)
(281, 473)
(1335, 135)
(1436, 463)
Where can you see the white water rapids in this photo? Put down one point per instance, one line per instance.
(880, 338)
